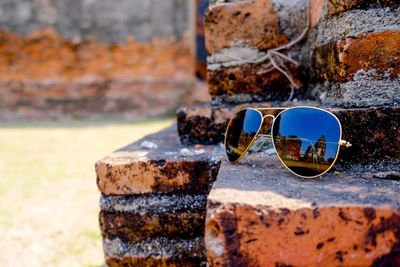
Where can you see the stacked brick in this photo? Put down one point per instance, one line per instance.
(153, 201)
(357, 52)
(237, 34)
(259, 214)
(82, 58)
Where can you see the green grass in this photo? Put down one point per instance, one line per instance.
(48, 194)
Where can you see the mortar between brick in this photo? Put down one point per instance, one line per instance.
(355, 22)
(153, 203)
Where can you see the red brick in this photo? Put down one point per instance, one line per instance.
(335, 7)
(44, 75)
(131, 227)
(253, 79)
(155, 252)
(339, 6)
(253, 23)
(259, 214)
(137, 170)
(340, 60)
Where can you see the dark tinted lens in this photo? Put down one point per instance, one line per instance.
(307, 140)
(240, 133)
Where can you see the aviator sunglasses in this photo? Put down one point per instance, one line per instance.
(306, 139)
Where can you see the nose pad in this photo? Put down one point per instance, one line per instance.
(267, 124)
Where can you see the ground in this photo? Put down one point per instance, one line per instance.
(49, 201)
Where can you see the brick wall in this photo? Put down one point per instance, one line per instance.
(82, 58)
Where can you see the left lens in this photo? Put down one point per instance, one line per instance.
(240, 133)
(307, 140)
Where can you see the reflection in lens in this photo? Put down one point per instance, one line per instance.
(306, 140)
(241, 131)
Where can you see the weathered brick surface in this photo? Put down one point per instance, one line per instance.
(254, 79)
(238, 33)
(136, 170)
(45, 75)
(374, 132)
(259, 214)
(340, 60)
(326, 9)
(137, 227)
(155, 252)
(139, 217)
(107, 22)
(253, 23)
(339, 6)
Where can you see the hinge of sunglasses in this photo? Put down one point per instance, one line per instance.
(344, 143)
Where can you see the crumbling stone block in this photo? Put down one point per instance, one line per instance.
(259, 214)
(136, 169)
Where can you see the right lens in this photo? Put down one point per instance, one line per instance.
(307, 140)
(241, 130)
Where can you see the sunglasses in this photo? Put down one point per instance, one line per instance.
(306, 139)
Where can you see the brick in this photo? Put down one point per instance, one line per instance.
(137, 218)
(339, 6)
(44, 75)
(238, 33)
(155, 252)
(253, 23)
(138, 227)
(137, 170)
(84, 98)
(259, 214)
(253, 79)
(367, 89)
(340, 60)
(326, 9)
(374, 132)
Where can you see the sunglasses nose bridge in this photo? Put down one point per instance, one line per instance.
(262, 133)
(269, 115)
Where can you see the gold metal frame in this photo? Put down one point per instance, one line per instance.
(256, 136)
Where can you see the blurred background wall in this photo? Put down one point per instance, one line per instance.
(129, 58)
(108, 21)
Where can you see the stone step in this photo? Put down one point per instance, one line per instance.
(259, 214)
(374, 132)
(158, 163)
(154, 201)
(155, 252)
